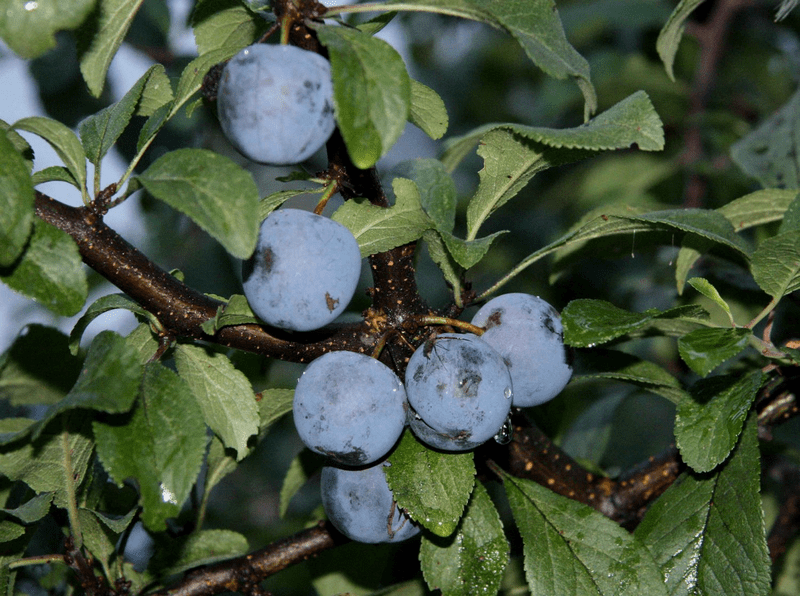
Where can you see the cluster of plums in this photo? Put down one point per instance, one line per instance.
(275, 106)
(458, 388)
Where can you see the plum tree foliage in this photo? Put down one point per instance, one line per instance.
(634, 164)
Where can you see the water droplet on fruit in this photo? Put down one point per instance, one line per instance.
(506, 432)
(508, 393)
(31, 6)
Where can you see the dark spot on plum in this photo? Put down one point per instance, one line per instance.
(495, 319)
(550, 325)
(267, 259)
(330, 302)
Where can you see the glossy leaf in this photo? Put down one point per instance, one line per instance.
(769, 153)
(708, 423)
(705, 349)
(113, 21)
(205, 547)
(216, 193)
(223, 393)
(473, 559)
(371, 92)
(30, 33)
(161, 444)
(776, 264)
(757, 208)
(427, 110)
(468, 253)
(707, 532)
(571, 549)
(378, 229)
(50, 271)
(432, 487)
(16, 202)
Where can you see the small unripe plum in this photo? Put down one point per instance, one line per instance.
(527, 332)
(303, 272)
(349, 407)
(360, 504)
(460, 388)
(275, 103)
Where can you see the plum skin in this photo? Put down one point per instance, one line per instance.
(528, 334)
(360, 504)
(275, 103)
(303, 272)
(460, 387)
(349, 407)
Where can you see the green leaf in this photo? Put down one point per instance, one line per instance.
(65, 143)
(30, 33)
(206, 547)
(441, 256)
(371, 92)
(707, 224)
(101, 534)
(50, 271)
(473, 559)
(379, 229)
(273, 404)
(590, 322)
(708, 423)
(98, 307)
(192, 76)
(611, 364)
(300, 470)
(432, 487)
(55, 462)
(469, 252)
(670, 37)
(103, 39)
(157, 92)
(53, 174)
(108, 381)
(16, 202)
(100, 131)
(769, 153)
(437, 191)
(756, 208)
(427, 110)
(143, 343)
(707, 532)
(215, 192)
(32, 510)
(705, 349)
(224, 394)
(225, 24)
(513, 153)
(709, 291)
(161, 444)
(776, 264)
(23, 379)
(236, 311)
(572, 549)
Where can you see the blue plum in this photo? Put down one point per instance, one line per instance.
(461, 390)
(303, 272)
(275, 103)
(360, 504)
(349, 407)
(527, 332)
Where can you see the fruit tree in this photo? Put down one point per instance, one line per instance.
(456, 296)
